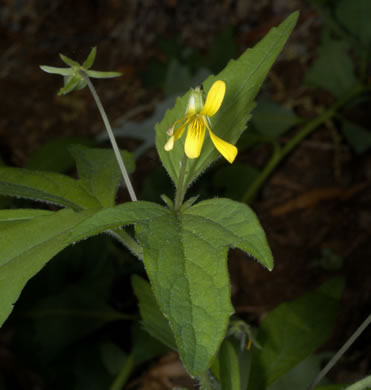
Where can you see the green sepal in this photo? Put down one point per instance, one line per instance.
(68, 61)
(71, 83)
(88, 63)
(55, 70)
(102, 75)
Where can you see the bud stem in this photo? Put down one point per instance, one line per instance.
(116, 150)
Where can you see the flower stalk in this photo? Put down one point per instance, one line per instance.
(180, 190)
(116, 150)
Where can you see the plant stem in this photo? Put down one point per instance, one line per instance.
(124, 374)
(126, 239)
(116, 150)
(205, 382)
(180, 190)
(280, 153)
(363, 384)
(340, 353)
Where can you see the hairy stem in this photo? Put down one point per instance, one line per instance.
(116, 150)
(180, 188)
(205, 382)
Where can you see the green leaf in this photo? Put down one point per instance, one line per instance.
(43, 186)
(229, 367)
(99, 171)
(272, 119)
(153, 320)
(301, 376)
(54, 156)
(145, 347)
(26, 247)
(99, 179)
(333, 70)
(88, 63)
(243, 78)
(185, 256)
(17, 216)
(358, 137)
(355, 16)
(293, 331)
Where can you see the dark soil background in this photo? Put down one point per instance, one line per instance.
(318, 198)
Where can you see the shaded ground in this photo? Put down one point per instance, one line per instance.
(319, 198)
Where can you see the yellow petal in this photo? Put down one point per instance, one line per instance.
(227, 150)
(169, 144)
(180, 130)
(214, 98)
(178, 133)
(195, 138)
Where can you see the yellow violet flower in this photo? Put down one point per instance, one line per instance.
(197, 119)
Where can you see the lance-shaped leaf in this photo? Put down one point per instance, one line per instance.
(99, 171)
(48, 187)
(26, 247)
(99, 178)
(185, 256)
(243, 78)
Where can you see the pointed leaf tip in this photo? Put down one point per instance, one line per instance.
(88, 63)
